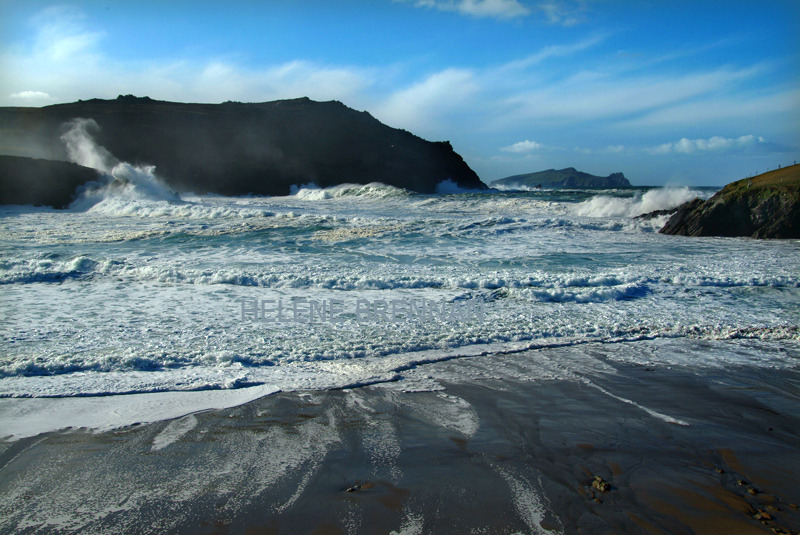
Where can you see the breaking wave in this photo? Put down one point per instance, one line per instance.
(373, 190)
(655, 199)
(120, 181)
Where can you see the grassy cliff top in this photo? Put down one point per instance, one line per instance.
(783, 178)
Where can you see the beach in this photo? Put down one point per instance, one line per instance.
(430, 267)
(522, 442)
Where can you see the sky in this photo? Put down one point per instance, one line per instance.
(669, 93)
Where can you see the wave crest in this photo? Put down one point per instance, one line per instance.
(655, 199)
(373, 190)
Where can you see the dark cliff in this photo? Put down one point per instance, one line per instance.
(564, 178)
(35, 181)
(765, 206)
(241, 148)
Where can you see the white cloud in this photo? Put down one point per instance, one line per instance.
(528, 147)
(523, 146)
(31, 96)
(66, 58)
(501, 9)
(712, 144)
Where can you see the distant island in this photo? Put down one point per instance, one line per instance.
(234, 148)
(764, 206)
(563, 178)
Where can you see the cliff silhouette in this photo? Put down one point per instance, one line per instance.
(243, 148)
(41, 182)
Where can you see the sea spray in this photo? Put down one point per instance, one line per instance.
(121, 181)
(82, 148)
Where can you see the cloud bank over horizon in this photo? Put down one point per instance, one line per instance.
(588, 97)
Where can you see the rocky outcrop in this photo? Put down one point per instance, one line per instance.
(765, 206)
(41, 182)
(243, 148)
(563, 178)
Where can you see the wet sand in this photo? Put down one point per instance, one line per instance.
(626, 449)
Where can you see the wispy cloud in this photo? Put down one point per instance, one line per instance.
(225, 79)
(555, 12)
(712, 144)
(500, 9)
(424, 103)
(732, 107)
(593, 95)
(67, 58)
(614, 149)
(62, 34)
(552, 51)
(562, 12)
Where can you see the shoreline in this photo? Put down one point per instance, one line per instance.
(676, 450)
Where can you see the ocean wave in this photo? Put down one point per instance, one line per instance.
(116, 206)
(517, 187)
(596, 294)
(48, 268)
(373, 190)
(542, 285)
(650, 201)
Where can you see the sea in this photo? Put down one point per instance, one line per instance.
(137, 304)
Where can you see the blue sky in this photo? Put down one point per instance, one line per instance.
(679, 92)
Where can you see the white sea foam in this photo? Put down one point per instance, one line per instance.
(142, 296)
(651, 412)
(528, 500)
(20, 418)
(174, 431)
(373, 190)
(514, 187)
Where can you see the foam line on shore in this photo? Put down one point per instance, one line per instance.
(651, 412)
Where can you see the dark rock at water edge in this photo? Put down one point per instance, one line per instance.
(564, 178)
(244, 148)
(765, 206)
(41, 182)
(656, 213)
